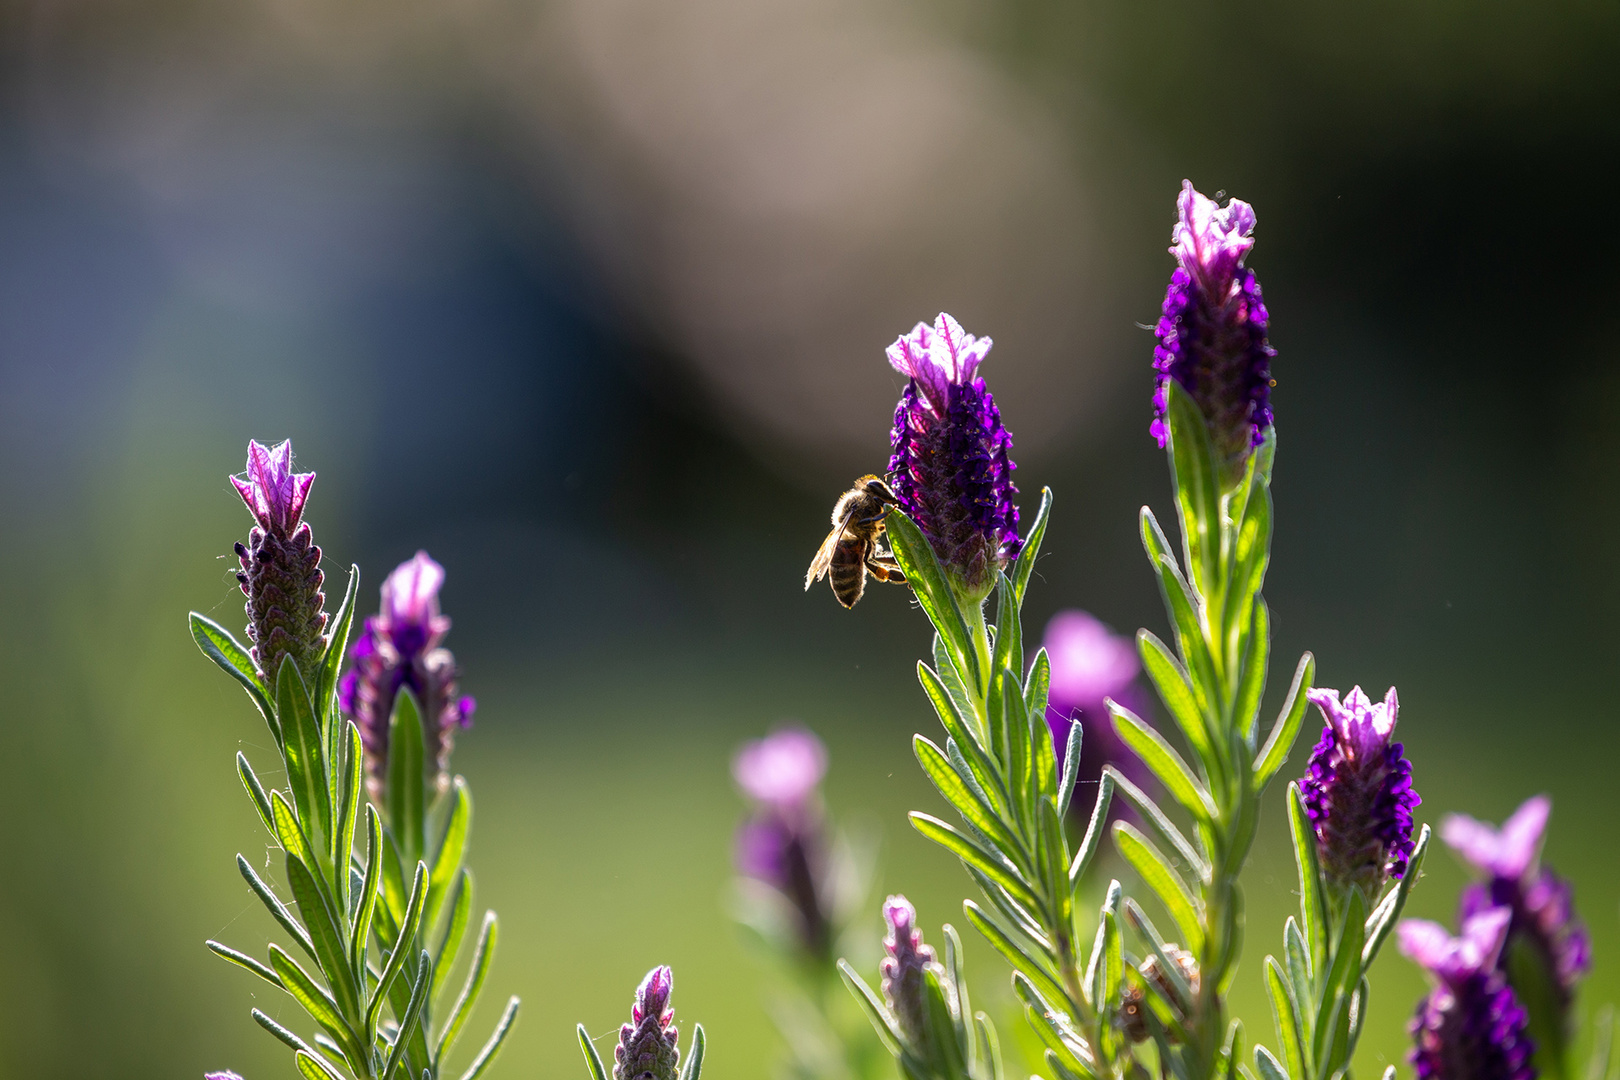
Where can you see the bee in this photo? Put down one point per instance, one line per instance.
(851, 550)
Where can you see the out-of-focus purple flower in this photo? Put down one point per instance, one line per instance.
(281, 566)
(1357, 792)
(1470, 1026)
(1212, 333)
(400, 647)
(647, 1049)
(1091, 664)
(949, 466)
(904, 969)
(783, 843)
(1541, 902)
(226, 1075)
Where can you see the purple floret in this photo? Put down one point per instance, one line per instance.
(949, 465)
(1212, 330)
(1357, 792)
(281, 565)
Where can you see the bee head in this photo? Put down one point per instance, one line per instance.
(878, 488)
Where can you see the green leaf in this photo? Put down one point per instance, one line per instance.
(1099, 986)
(486, 1056)
(277, 909)
(1255, 657)
(370, 887)
(593, 1060)
(1281, 740)
(1038, 684)
(1149, 933)
(693, 1069)
(337, 643)
(1299, 970)
(317, 1002)
(306, 771)
(313, 1068)
(219, 646)
(992, 865)
(927, 578)
(1312, 906)
(1008, 703)
(1024, 565)
(1185, 607)
(348, 805)
(450, 944)
(1037, 969)
(1285, 1010)
(1094, 831)
(1054, 863)
(409, 926)
(483, 957)
(255, 790)
(968, 802)
(452, 849)
(1333, 1002)
(964, 734)
(877, 1012)
(1163, 880)
(243, 960)
(1053, 1024)
(1071, 765)
(1197, 868)
(992, 1045)
(1009, 646)
(327, 936)
(1270, 1068)
(1382, 920)
(287, 1037)
(412, 1015)
(406, 797)
(1194, 472)
(1161, 758)
(1017, 917)
(1175, 690)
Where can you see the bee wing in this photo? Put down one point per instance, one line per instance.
(823, 559)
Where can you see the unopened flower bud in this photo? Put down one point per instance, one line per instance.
(647, 1049)
(281, 566)
(904, 969)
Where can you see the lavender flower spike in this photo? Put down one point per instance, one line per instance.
(281, 566)
(904, 969)
(1357, 792)
(783, 844)
(1471, 1026)
(647, 1049)
(1544, 920)
(949, 466)
(399, 647)
(1212, 333)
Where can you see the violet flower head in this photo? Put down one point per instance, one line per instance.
(281, 566)
(949, 467)
(1357, 792)
(647, 1049)
(226, 1075)
(1544, 919)
(1471, 1026)
(1090, 664)
(399, 647)
(904, 969)
(783, 843)
(1212, 332)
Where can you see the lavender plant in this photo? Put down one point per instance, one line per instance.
(383, 929)
(648, 1047)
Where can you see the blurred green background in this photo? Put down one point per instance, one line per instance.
(588, 298)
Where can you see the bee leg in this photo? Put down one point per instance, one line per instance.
(885, 569)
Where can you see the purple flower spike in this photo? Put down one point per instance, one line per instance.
(226, 1075)
(949, 466)
(1357, 792)
(1091, 664)
(1541, 902)
(400, 647)
(904, 969)
(281, 566)
(1212, 333)
(647, 1049)
(784, 843)
(1471, 1026)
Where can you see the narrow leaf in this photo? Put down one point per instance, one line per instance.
(277, 909)
(1071, 764)
(450, 944)
(1094, 831)
(1285, 1011)
(405, 796)
(1161, 758)
(877, 1012)
(486, 1056)
(992, 865)
(1312, 907)
(1281, 740)
(483, 956)
(452, 849)
(593, 1061)
(301, 743)
(1156, 871)
(219, 646)
(967, 802)
(1152, 815)
(1024, 565)
(287, 1037)
(927, 579)
(337, 643)
(693, 1069)
(313, 1068)
(1270, 1068)
(245, 961)
(1382, 920)
(1037, 969)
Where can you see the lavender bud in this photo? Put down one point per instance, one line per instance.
(1357, 792)
(1543, 927)
(949, 466)
(399, 647)
(281, 566)
(1212, 333)
(647, 1049)
(1471, 1026)
(783, 843)
(904, 969)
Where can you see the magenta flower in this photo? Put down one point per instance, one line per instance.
(904, 969)
(1470, 1026)
(226, 1075)
(1212, 333)
(281, 566)
(1357, 792)
(647, 1049)
(783, 843)
(1091, 664)
(1541, 902)
(399, 647)
(949, 466)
